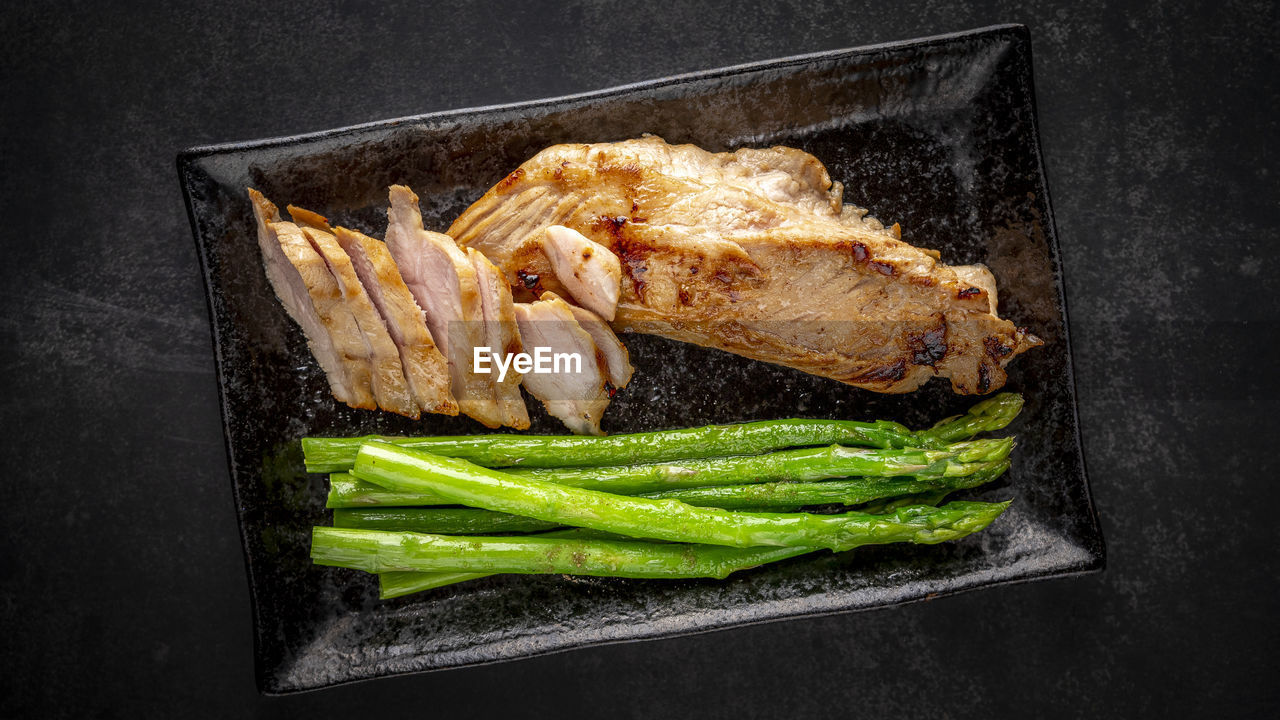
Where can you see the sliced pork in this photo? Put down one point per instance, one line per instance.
(295, 295)
(587, 269)
(752, 252)
(390, 388)
(334, 313)
(443, 282)
(425, 367)
(578, 393)
(501, 337)
(617, 361)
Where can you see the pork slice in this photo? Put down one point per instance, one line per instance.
(578, 394)
(617, 361)
(443, 283)
(295, 296)
(588, 270)
(501, 337)
(425, 367)
(332, 310)
(390, 388)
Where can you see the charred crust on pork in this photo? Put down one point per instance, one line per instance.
(929, 346)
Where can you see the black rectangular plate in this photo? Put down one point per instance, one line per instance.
(937, 134)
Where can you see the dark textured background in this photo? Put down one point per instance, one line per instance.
(122, 589)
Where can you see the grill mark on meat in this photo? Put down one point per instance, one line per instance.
(930, 346)
(629, 172)
(510, 180)
(632, 254)
(892, 372)
(862, 256)
(996, 350)
(612, 225)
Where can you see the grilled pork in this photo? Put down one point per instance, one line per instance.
(755, 253)
(390, 388)
(443, 281)
(588, 270)
(425, 369)
(578, 393)
(617, 361)
(501, 337)
(335, 316)
(291, 266)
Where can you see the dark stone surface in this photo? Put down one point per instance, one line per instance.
(122, 589)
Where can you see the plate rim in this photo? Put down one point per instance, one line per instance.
(1019, 35)
(1018, 31)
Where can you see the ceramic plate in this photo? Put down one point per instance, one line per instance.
(937, 134)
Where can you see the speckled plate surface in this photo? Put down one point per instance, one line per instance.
(937, 134)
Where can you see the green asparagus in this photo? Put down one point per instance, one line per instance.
(336, 454)
(380, 551)
(959, 459)
(347, 491)
(782, 496)
(463, 482)
(398, 583)
(441, 521)
(994, 413)
(776, 497)
(751, 438)
(801, 465)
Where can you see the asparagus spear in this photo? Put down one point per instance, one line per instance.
(380, 551)
(347, 491)
(399, 468)
(801, 465)
(776, 497)
(994, 413)
(336, 454)
(443, 521)
(959, 459)
(783, 496)
(398, 583)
